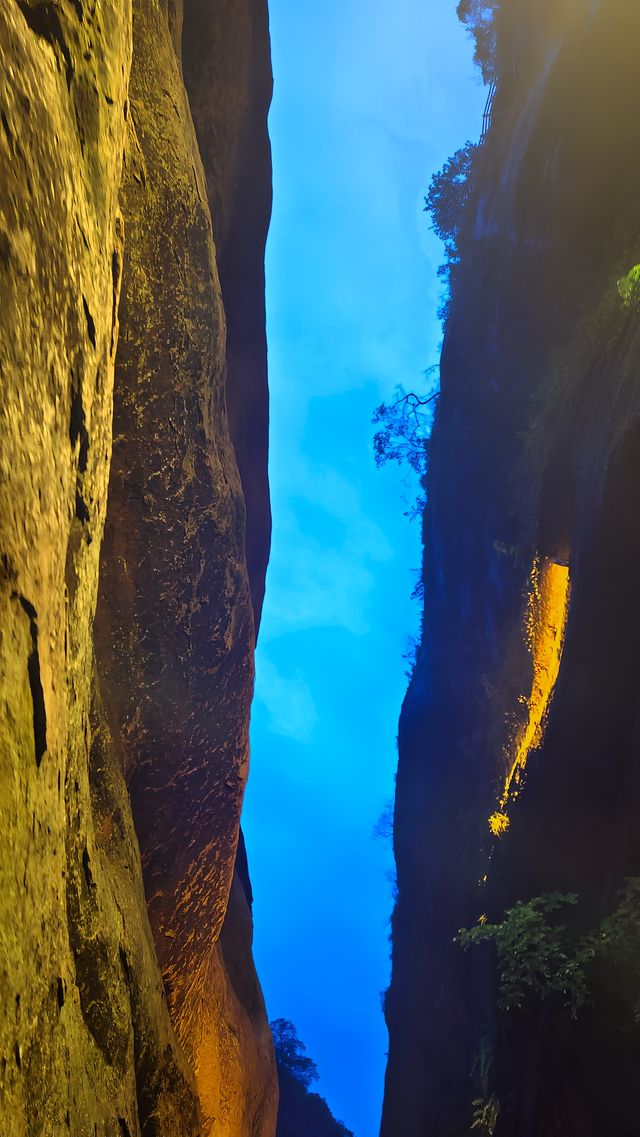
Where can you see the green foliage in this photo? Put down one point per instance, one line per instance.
(485, 1115)
(536, 954)
(486, 1108)
(619, 933)
(629, 285)
(539, 956)
(618, 937)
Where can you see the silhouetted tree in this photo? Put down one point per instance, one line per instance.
(479, 17)
(300, 1113)
(448, 195)
(403, 436)
(383, 828)
(290, 1053)
(404, 429)
(405, 423)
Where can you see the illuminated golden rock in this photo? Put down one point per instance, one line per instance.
(90, 1038)
(545, 622)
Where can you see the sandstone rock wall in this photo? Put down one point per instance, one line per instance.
(505, 790)
(124, 746)
(229, 94)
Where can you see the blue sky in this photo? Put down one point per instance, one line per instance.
(371, 97)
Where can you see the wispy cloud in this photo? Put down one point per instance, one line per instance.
(287, 699)
(325, 549)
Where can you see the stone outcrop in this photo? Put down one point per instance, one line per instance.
(125, 743)
(518, 771)
(229, 94)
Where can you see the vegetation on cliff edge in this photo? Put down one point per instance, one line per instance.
(301, 1113)
(539, 956)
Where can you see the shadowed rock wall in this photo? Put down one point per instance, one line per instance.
(533, 467)
(131, 768)
(230, 93)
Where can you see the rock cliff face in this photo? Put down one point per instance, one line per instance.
(134, 533)
(518, 772)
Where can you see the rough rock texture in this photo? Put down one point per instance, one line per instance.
(230, 93)
(175, 624)
(132, 768)
(533, 464)
(246, 1083)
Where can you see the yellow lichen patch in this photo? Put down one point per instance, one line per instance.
(498, 824)
(545, 623)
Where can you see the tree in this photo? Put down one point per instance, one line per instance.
(383, 828)
(290, 1053)
(300, 1111)
(447, 197)
(446, 202)
(404, 429)
(479, 17)
(405, 425)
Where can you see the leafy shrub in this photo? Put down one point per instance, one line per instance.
(618, 936)
(538, 956)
